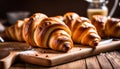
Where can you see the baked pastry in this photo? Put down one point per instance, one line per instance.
(30, 26)
(106, 27)
(41, 31)
(99, 22)
(112, 27)
(54, 34)
(14, 32)
(82, 30)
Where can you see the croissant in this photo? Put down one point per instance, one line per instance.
(54, 34)
(99, 22)
(30, 26)
(82, 30)
(42, 31)
(14, 32)
(106, 27)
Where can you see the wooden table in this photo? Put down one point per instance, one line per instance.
(108, 60)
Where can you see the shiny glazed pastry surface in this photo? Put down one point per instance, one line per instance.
(59, 32)
(42, 31)
(106, 26)
(83, 31)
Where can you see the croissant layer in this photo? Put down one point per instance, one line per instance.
(106, 27)
(83, 31)
(42, 31)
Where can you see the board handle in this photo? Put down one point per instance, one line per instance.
(7, 61)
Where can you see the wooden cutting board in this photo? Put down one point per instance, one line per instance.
(9, 51)
(47, 57)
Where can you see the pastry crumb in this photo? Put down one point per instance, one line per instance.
(47, 56)
(36, 54)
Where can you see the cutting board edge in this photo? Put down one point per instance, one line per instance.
(50, 61)
(90, 52)
(35, 60)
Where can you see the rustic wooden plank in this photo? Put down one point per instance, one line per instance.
(75, 64)
(92, 63)
(50, 58)
(18, 65)
(10, 51)
(103, 61)
(116, 54)
(31, 66)
(77, 52)
(114, 59)
(7, 61)
(80, 64)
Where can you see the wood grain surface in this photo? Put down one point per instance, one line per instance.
(103, 62)
(51, 58)
(47, 57)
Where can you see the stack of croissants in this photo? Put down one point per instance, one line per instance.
(61, 32)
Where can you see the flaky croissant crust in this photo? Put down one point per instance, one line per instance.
(42, 31)
(82, 29)
(106, 26)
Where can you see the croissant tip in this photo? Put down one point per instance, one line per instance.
(95, 43)
(67, 47)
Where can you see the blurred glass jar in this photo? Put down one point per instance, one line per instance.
(97, 7)
(17, 15)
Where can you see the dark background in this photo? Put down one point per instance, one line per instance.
(48, 7)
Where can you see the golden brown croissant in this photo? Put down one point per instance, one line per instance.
(82, 30)
(41, 31)
(112, 27)
(99, 22)
(106, 27)
(30, 26)
(54, 34)
(14, 32)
